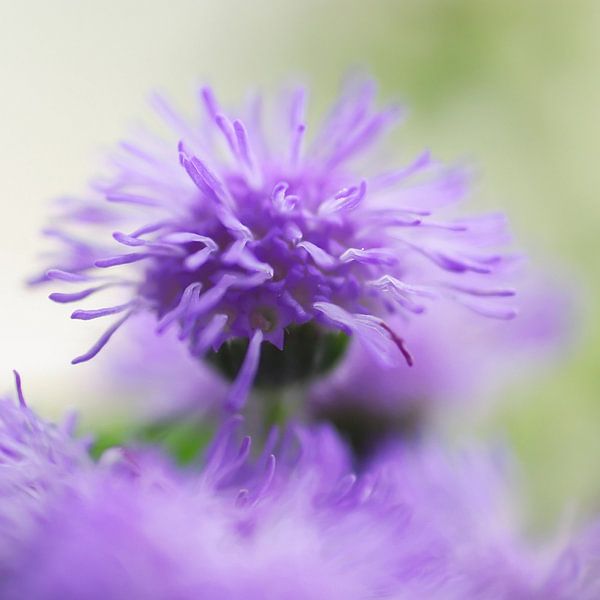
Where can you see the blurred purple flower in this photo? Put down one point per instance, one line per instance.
(158, 376)
(456, 360)
(36, 461)
(416, 523)
(587, 548)
(243, 234)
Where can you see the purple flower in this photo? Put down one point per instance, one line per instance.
(36, 461)
(457, 361)
(248, 230)
(417, 522)
(587, 550)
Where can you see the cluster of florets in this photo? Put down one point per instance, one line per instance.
(239, 237)
(413, 523)
(36, 460)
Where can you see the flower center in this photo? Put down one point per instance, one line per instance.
(264, 319)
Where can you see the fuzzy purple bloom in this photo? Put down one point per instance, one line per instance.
(245, 230)
(37, 459)
(414, 523)
(457, 361)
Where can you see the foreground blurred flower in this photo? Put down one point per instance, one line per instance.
(415, 524)
(246, 236)
(457, 361)
(36, 461)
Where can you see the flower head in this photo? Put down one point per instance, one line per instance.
(36, 460)
(416, 522)
(238, 233)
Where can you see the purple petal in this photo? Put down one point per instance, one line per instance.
(210, 334)
(210, 102)
(242, 142)
(123, 259)
(245, 378)
(87, 315)
(321, 258)
(19, 386)
(59, 275)
(226, 128)
(182, 306)
(345, 200)
(390, 179)
(64, 298)
(485, 309)
(373, 256)
(133, 199)
(102, 341)
(402, 292)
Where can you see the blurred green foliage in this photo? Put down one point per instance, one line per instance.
(182, 439)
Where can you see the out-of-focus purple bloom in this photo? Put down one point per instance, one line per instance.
(157, 375)
(587, 548)
(245, 230)
(456, 359)
(76, 252)
(416, 523)
(36, 461)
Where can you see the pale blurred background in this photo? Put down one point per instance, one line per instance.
(512, 86)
